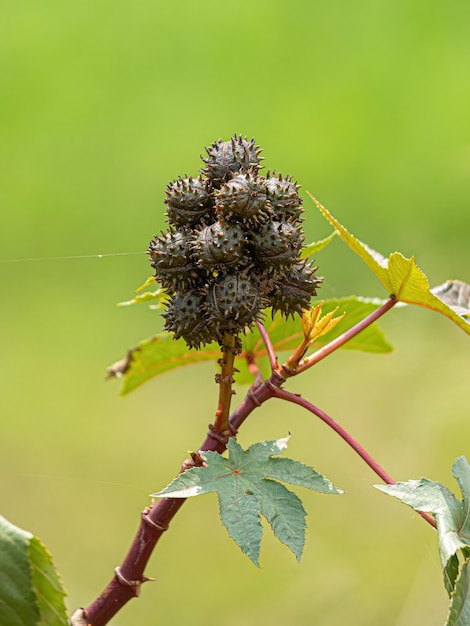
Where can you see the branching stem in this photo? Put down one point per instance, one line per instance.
(345, 337)
(129, 576)
(365, 456)
(269, 346)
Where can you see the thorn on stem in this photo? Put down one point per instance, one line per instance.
(147, 579)
(134, 584)
(79, 618)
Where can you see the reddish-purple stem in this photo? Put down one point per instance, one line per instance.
(129, 577)
(365, 456)
(269, 346)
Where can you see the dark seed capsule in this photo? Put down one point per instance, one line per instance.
(185, 318)
(294, 293)
(171, 258)
(226, 158)
(219, 245)
(284, 197)
(276, 244)
(188, 201)
(244, 199)
(233, 303)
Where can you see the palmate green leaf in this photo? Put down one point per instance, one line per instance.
(31, 592)
(459, 613)
(399, 275)
(452, 515)
(247, 488)
(240, 514)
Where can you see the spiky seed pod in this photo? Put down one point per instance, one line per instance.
(170, 256)
(232, 248)
(295, 292)
(225, 158)
(283, 195)
(276, 244)
(188, 200)
(219, 245)
(184, 317)
(243, 198)
(233, 303)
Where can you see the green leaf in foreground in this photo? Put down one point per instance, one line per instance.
(459, 613)
(31, 593)
(452, 515)
(399, 275)
(247, 488)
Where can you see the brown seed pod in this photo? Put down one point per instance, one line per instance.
(170, 256)
(276, 244)
(233, 303)
(185, 318)
(294, 293)
(226, 158)
(219, 245)
(283, 195)
(233, 246)
(188, 201)
(244, 199)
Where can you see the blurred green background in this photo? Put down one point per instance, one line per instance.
(102, 103)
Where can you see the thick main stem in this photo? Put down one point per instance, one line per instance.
(225, 381)
(129, 577)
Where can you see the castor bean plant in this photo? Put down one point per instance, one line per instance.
(233, 276)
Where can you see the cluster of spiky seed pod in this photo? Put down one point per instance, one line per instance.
(232, 247)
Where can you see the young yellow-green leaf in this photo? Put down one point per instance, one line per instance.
(155, 356)
(315, 325)
(400, 276)
(459, 613)
(151, 280)
(31, 593)
(286, 335)
(157, 297)
(316, 246)
(452, 515)
(247, 488)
